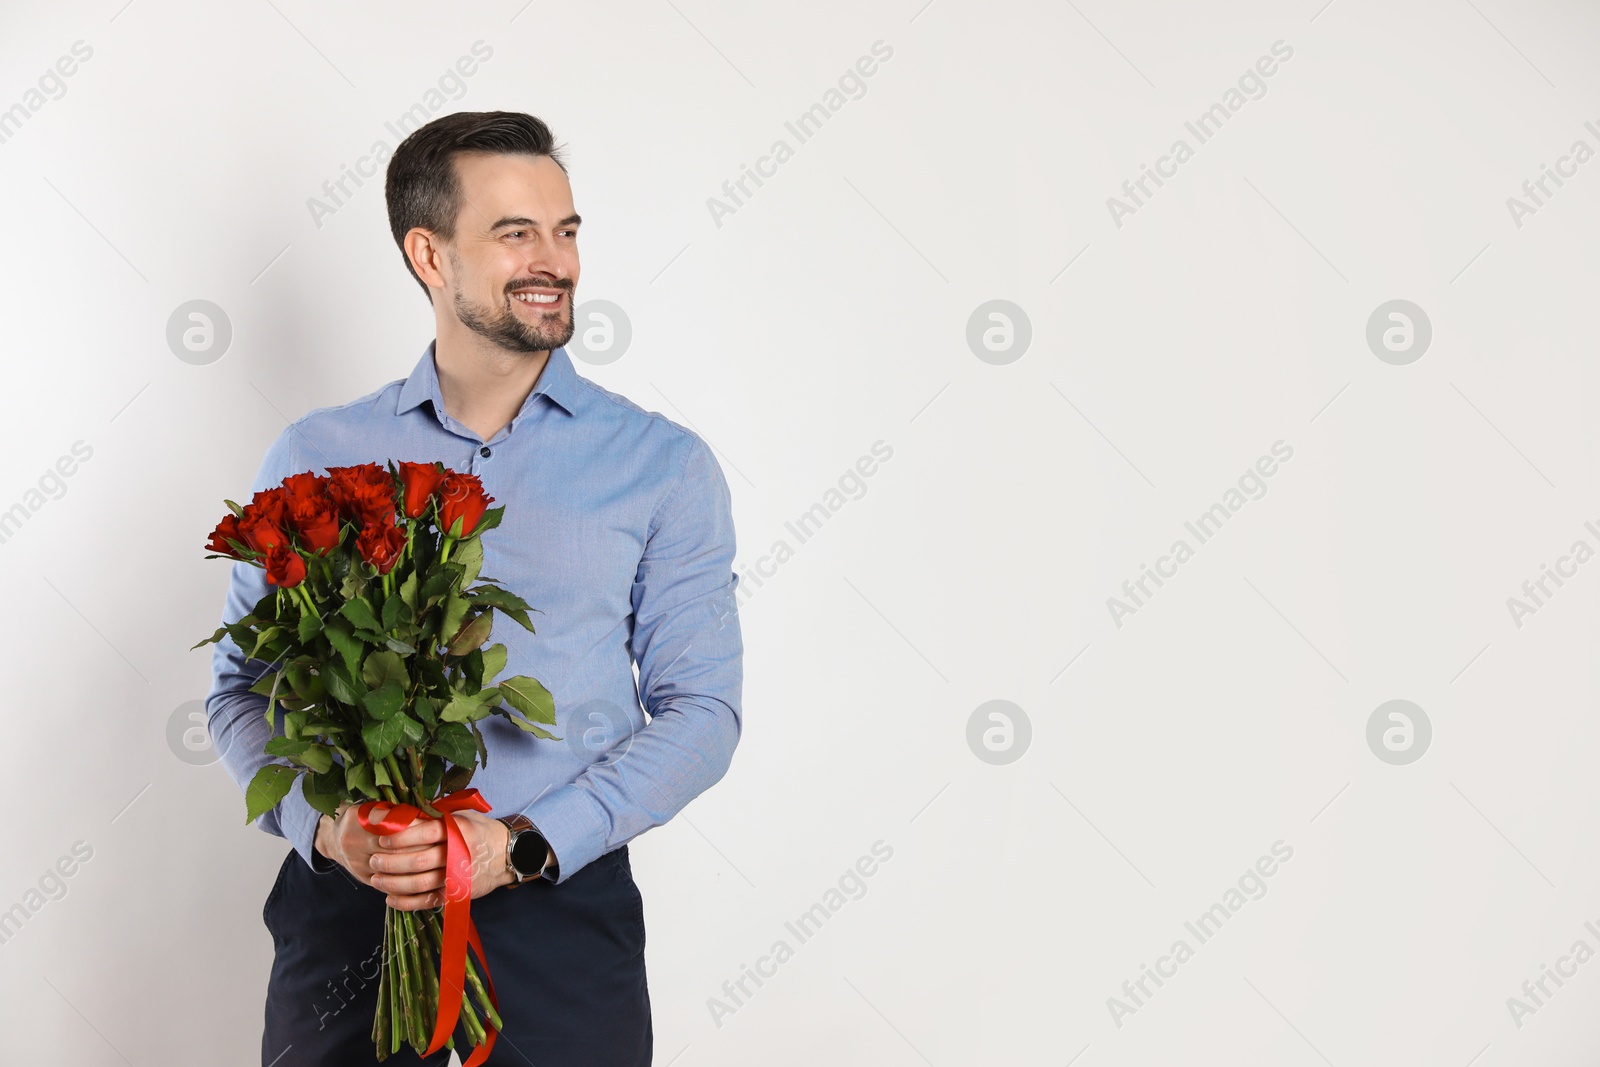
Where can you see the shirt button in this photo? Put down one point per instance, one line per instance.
(484, 451)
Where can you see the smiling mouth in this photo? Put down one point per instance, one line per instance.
(540, 298)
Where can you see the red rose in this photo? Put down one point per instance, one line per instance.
(262, 522)
(461, 496)
(311, 512)
(363, 494)
(285, 568)
(421, 480)
(228, 527)
(380, 544)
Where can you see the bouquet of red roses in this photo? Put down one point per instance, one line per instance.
(374, 635)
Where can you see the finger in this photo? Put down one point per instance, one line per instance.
(415, 902)
(404, 885)
(420, 833)
(388, 861)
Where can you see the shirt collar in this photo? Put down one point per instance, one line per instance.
(558, 381)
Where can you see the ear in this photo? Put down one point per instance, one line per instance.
(427, 255)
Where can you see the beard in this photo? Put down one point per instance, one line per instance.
(502, 326)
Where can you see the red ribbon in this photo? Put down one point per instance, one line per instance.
(459, 929)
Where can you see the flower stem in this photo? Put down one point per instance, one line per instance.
(392, 962)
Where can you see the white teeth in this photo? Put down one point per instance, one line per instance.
(537, 298)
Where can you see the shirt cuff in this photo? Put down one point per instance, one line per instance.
(573, 825)
(299, 822)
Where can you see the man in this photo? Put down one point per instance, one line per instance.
(618, 529)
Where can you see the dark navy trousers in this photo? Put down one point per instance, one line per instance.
(567, 962)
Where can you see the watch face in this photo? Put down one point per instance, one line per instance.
(528, 852)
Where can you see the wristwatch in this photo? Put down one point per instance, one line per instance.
(529, 855)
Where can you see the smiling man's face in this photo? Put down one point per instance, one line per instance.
(514, 260)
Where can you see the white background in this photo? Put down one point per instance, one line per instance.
(829, 312)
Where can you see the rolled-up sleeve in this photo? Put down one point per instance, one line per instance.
(689, 649)
(237, 717)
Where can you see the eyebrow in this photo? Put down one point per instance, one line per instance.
(522, 220)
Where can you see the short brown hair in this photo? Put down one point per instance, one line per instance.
(421, 186)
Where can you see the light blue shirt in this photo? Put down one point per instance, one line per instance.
(618, 529)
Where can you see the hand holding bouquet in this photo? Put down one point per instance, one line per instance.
(374, 636)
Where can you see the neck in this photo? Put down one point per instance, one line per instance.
(483, 385)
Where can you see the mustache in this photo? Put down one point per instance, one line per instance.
(565, 284)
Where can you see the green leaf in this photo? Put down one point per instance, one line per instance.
(455, 610)
(460, 774)
(412, 729)
(391, 611)
(470, 556)
(235, 508)
(302, 751)
(340, 686)
(437, 585)
(222, 631)
(472, 635)
(396, 645)
(358, 779)
(380, 772)
(383, 668)
(426, 709)
(284, 746)
(408, 591)
(530, 697)
(341, 635)
(309, 627)
(324, 791)
(466, 708)
(270, 785)
(263, 685)
(483, 749)
(384, 701)
(537, 731)
(269, 634)
(360, 612)
(454, 742)
(382, 736)
(494, 661)
(496, 597)
(507, 602)
(432, 774)
(472, 670)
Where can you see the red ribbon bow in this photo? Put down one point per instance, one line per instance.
(459, 929)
